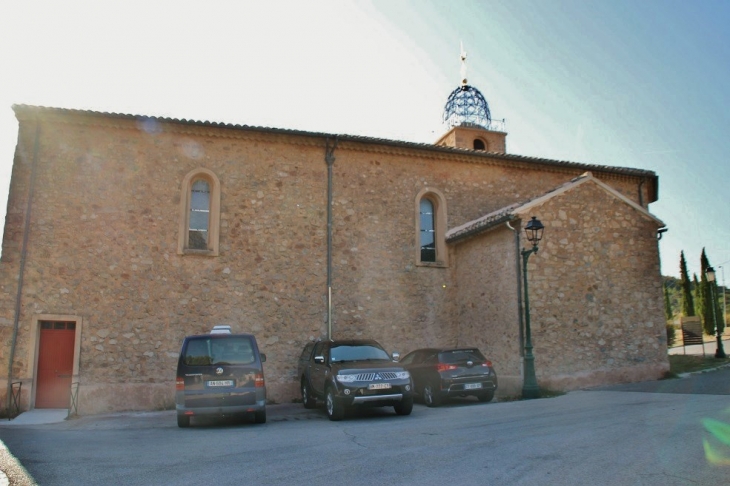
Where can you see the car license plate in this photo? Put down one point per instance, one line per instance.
(220, 383)
(378, 386)
(472, 386)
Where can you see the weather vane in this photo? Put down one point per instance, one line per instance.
(463, 64)
(466, 105)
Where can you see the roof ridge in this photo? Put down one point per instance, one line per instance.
(19, 108)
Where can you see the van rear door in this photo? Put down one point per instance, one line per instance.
(220, 371)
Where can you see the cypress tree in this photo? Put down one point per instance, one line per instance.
(688, 305)
(704, 305)
(697, 296)
(718, 309)
(711, 309)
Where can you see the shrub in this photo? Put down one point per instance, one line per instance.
(671, 335)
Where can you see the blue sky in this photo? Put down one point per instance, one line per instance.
(623, 83)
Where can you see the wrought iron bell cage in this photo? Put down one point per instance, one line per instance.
(466, 106)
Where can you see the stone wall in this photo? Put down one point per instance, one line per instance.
(596, 292)
(463, 137)
(103, 240)
(487, 277)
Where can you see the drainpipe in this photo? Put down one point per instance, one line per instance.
(21, 270)
(329, 158)
(519, 288)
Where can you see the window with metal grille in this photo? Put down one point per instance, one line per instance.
(70, 325)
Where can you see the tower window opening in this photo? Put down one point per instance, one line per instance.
(479, 144)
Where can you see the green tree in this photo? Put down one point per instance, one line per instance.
(718, 308)
(668, 312)
(704, 304)
(711, 311)
(688, 305)
(674, 289)
(697, 296)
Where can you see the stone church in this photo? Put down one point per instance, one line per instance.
(126, 233)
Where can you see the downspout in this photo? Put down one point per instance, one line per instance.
(519, 288)
(21, 270)
(329, 158)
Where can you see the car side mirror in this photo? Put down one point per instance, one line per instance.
(319, 359)
(396, 356)
(263, 357)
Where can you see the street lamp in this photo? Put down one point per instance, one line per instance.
(720, 353)
(530, 389)
(724, 299)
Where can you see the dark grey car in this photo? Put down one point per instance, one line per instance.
(439, 373)
(220, 374)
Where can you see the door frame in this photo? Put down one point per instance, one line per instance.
(33, 351)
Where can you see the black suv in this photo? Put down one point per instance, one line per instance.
(353, 373)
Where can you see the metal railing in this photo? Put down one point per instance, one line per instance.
(15, 389)
(498, 125)
(73, 409)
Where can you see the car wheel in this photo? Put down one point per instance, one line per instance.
(260, 417)
(335, 410)
(183, 420)
(307, 398)
(430, 397)
(404, 407)
(486, 396)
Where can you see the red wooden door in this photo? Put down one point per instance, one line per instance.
(55, 364)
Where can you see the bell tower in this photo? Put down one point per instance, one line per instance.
(469, 121)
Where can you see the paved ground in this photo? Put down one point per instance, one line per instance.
(47, 416)
(13, 473)
(614, 437)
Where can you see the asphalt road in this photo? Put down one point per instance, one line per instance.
(654, 433)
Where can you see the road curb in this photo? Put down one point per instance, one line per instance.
(690, 373)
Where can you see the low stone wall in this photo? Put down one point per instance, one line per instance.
(588, 379)
(120, 397)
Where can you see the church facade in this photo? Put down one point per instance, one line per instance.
(124, 234)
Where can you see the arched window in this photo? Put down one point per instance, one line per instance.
(199, 213)
(431, 228)
(198, 229)
(428, 225)
(479, 144)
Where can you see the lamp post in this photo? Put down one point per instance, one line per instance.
(530, 389)
(720, 352)
(724, 299)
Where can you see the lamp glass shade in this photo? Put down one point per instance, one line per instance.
(710, 272)
(533, 230)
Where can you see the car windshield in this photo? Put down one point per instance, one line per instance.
(461, 356)
(357, 352)
(214, 351)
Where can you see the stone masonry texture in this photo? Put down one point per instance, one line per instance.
(102, 246)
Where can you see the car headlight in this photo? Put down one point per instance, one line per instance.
(346, 378)
(402, 375)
